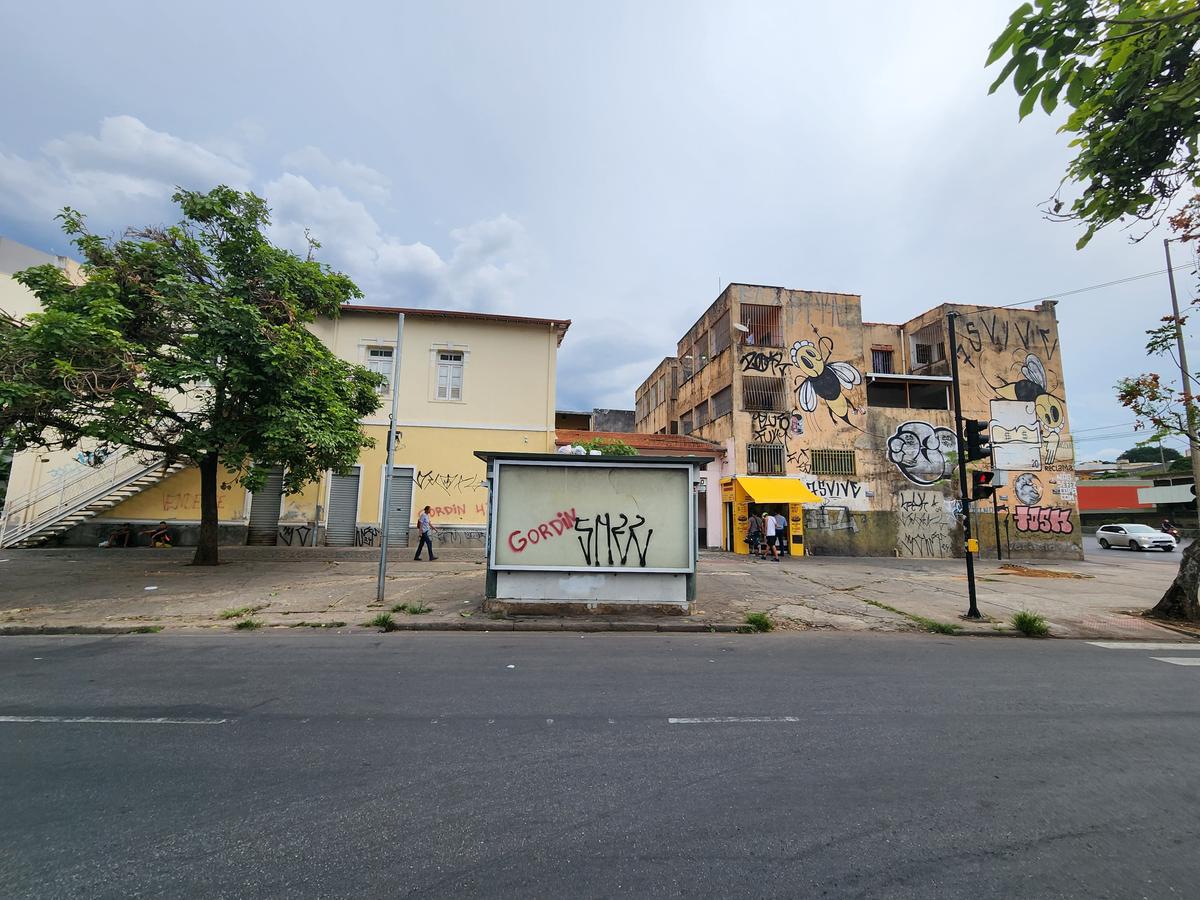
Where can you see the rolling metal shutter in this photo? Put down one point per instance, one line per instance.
(401, 507)
(343, 510)
(264, 510)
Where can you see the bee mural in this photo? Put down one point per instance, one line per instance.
(821, 378)
(1051, 412)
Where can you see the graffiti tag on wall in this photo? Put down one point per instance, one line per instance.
(922, 525)
(922, 452)
(1047, 519)
(605, 524)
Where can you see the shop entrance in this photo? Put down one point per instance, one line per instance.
(743, 496)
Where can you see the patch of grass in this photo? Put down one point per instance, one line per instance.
(147, 629)
(413, 609)
(1030, 624)
(759, 621)
(303, 624)
(247, 624)
(238, 612)
(383, 621)
(931, 625)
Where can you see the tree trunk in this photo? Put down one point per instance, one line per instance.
(206, 547)
(1180, 601)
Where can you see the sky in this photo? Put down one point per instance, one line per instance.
(616, 163)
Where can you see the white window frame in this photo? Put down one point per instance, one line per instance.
(437, 363)
(368, 359)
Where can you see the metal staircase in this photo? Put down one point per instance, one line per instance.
(74, 497)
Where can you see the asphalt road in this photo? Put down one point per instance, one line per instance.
(540, 765)
(1095, 552)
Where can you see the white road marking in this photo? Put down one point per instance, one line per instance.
(1179, 660)
(720, 720)
(1145, 645)
(109, 720)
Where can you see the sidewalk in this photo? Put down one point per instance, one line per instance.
(335, 588)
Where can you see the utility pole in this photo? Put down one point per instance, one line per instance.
(1186, 378)
(391, 457)
(960, 434)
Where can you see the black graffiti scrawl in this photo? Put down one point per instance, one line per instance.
(922, 452)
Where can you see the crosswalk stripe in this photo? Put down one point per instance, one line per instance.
(1146, 645)
(1179, 660)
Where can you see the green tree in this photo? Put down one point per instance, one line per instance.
(1129, 72)
(189, 342)
(1150, 454)
(609, 447)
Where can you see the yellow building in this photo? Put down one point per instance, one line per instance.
(468, 381)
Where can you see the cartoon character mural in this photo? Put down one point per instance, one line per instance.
(823, 378)
(922, 452)
(1027, 489)
(1049, 409)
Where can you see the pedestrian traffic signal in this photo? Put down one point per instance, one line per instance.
(981, 485)
(978, 445)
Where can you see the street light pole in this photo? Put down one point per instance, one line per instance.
(391, 457)
(1186, 378)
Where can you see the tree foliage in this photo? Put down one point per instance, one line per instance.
(188, 342)
(1129, 73)
(1145, 453)
(609, 447)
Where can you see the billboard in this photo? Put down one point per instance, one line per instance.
(610, 517)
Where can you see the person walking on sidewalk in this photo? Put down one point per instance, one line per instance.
(769, 522)
(424, 526)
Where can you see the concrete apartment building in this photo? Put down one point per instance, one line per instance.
(468, 381)
(846, 427)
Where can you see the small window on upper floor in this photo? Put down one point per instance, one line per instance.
(379, 360)
(881, 360)
(449, 375)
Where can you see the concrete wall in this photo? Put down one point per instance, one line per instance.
(654, 399)
(612, 420)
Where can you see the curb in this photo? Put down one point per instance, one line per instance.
(79, 629)
(489, 625)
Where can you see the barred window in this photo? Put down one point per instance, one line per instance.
(700, 351)
(685, 365)
(685, 423)
(881, 360)
(720, 334)
(763, 394)
(700, 413)
(765, 459)
(762, 326)
(833, 462)
(722, 402)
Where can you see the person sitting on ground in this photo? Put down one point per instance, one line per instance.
(121, 536)
(160, 535)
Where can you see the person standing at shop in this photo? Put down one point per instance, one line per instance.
(769, 530)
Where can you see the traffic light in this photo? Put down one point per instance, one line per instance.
(981, 485)
(978, 443)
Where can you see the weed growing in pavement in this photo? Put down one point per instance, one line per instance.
(931, 625)
(147, 629)
(238, 612)
(1030, 624)
(413, 609)
(303, 624)
(759, 621)
(383, 621)
(247, 624)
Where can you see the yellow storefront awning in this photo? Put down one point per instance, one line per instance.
(777, 490)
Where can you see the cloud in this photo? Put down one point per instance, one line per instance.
(601, 363)
(355, 177)
(125, 173)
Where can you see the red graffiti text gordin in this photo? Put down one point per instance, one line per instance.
(560, 524)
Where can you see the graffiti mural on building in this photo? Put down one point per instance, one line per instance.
(831, 518)
(1001, 334)
(847, 489)
(823, 377)
(1048, 519)
(776, 428)
(1066, 487)
(922, 452)
(1016, 435)
(593, 546)
(297, 535)
(922, 526)
(1027, 489)
(1049, 411)
(765, 362)
(366, 536)
(460, 537)
(562, 522)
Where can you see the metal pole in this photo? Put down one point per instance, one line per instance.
(996, 523)
(1186, 378)
(973, 608)
(391, 456)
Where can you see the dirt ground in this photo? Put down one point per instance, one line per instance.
(285, 587)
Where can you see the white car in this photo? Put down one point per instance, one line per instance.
(1135, 537)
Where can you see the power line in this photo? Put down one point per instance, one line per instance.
(1096, 287)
